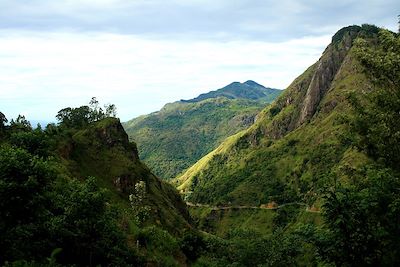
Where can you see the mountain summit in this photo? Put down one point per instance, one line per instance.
(247, 90)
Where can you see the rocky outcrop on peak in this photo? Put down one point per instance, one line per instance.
(327, 67)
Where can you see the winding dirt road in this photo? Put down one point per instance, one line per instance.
(262, 207)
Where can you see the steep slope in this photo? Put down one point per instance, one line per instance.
(296, 143)
(103, 150)
(175, 137)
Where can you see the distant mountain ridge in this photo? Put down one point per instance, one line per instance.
(247, 90)
(175, 137)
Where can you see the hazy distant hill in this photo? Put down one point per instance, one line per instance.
(174, 138)
(247, 90)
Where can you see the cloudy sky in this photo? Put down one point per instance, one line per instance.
(141, 54)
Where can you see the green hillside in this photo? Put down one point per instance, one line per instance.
(247, 90)
(315, 181)
(174, 138)
(80, 191)
(288, 154)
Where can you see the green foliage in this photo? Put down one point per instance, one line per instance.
(247, 248)
(43, 207)
(141, 211)
(282, 158)
(41, 212)
(192, 245)
(35, 142)
(74, 117)
(160, 244)
(82, 116)
(362, 222)
(20, 124)
(85, 226)
(378, 115)
(24, 203)
(365, 29)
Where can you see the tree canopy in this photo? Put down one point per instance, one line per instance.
(83, 115)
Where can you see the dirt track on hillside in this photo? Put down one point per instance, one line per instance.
(199, 205)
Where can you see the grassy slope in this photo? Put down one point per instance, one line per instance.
(103, 150)
(279, 158)
(178, 135)
(262, 221)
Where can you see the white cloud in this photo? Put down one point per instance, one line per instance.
(41, 73)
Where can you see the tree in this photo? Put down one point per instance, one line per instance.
(111, 110)
(42, 210)
(138, 199)
(74, 117)
(20, 124)
(3, 120)
(85, 226)
(64, 116)
(361, 222)
(83, 115)
(35, 141)
(24, 204)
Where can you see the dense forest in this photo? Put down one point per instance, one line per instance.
(315, 181)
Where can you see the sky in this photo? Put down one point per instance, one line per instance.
(142, 54)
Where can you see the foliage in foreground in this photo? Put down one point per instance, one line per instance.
(42, 211)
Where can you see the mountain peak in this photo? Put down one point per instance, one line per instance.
(248, 90)
(354, 31)
(253, 83)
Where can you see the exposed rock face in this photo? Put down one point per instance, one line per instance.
(115, 135)
(245, 120)
(106, 135)
(123, 183)
(327, 67)
(304, 98)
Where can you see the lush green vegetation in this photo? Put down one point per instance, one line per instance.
(77, 194)
(342, 160)
(361, 218)
(174, 138)
(283, 158)
(55, 212)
